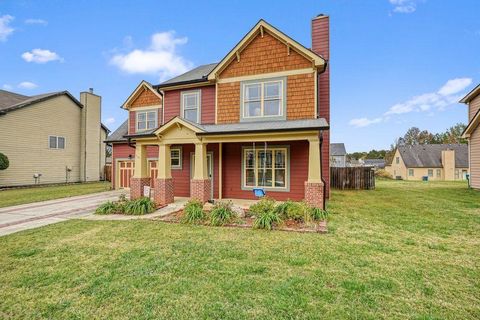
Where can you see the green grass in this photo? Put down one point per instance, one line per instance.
(408, 250)
(11, 197)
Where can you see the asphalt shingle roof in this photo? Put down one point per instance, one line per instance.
(197, 74)
(430, 155)
(11, 101)
(118, 134)
(337, 149)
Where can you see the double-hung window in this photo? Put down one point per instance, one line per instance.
(263, 100)
(430, 173)
(55, 142)
(191, 105)
(147, 120)
(410, 173)
(265, 168)
(176, 158)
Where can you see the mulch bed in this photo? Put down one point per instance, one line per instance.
(247, 222)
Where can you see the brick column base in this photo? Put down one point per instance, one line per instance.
(314, 194)
(163, 191)
(200, 189)
(136, 187)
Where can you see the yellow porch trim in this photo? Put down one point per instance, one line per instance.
(141, 164)
(260, 137)
(314, 165)
(164, 163)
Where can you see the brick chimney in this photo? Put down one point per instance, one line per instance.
(321, 46)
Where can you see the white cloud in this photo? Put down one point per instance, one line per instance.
(454, 86)
(110, 120)
(36, 21)
(404, 6)
(41, 56)
(5, 28)
(160, 57)
(450, 93)
(27, 85)
(364, 122)
(7, 86)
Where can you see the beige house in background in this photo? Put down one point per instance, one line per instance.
(51, 138)
(472, 133)
(446, 162)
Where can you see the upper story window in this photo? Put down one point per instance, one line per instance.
(263, 100)
(55, 142)
(147, 120)
(397, 160)
(191, 105)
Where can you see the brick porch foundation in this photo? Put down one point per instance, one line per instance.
(163, 191)
(314, 194)
(200, 189)
(136, 187)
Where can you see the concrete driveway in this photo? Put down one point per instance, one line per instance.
(33, 215)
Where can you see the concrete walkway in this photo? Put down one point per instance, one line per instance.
(33, 215)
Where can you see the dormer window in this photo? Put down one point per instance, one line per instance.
(191, 105)
(263, 100)
(147, 120)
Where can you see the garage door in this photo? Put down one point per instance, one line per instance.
(125, 173)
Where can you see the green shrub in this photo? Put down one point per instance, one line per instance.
(382, 173)
(265, 204)
(140, 206)
(291, 210)
(193, 212)
(267, 220)
(4, 163)
(107, 208)
(318, 214)
(221, 213)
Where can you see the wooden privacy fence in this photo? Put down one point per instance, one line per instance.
(358, 178)
(107, 172)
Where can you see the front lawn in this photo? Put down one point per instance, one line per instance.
(11, 197)
(408, 250)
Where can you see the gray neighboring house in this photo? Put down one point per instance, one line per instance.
(51, 138)
(338, 155)
(376, 163)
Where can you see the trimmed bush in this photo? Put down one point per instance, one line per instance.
(193, 212)
(140, 206)
(221, 213)
(4, 163)
(265, 204)
(267, 220)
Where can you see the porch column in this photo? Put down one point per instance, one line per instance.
(314, 184)
(200, 184)
(140, 177)
(163, 192)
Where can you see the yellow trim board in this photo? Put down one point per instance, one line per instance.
(267, 75)
(138, 90)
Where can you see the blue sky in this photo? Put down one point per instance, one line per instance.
(394, 63)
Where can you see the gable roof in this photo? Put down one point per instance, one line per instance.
(472, 125)
(471, 95)
(118, 135)
(430, 155)
(10, 101)
(337, 149)
(259, 28)
(198, 74)
(143, 85)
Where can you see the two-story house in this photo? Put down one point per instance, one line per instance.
(256, 120)
(472, 133)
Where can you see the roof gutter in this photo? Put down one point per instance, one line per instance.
(260, 131)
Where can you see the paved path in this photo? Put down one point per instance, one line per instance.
(33, 215)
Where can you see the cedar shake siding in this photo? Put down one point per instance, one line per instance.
(173, 103)
(267, 55)
(146, 98)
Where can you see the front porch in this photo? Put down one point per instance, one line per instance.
(286, 164)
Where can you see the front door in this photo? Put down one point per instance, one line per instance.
(209, 169)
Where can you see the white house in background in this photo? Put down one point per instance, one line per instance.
(338, 155)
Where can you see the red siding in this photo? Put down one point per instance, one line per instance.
(208, 105)
(321, 45)
(232, 166)
(120, 151)
(172, 104)
(132, 118)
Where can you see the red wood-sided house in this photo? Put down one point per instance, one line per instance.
(258, 119)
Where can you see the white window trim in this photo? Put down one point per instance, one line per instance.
(262, 82)
(179, 167)
(146, 120)
(411, 171)
(199, 106)
(286, 149)
(56, 138)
